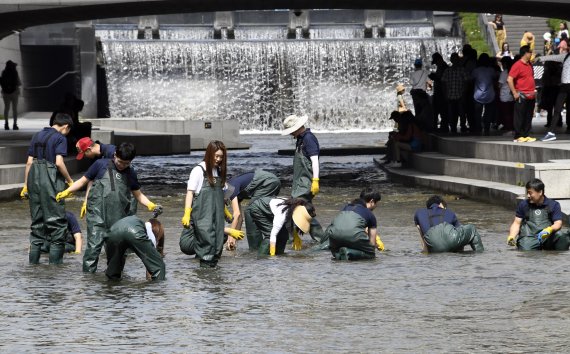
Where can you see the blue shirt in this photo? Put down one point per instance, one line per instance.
(438, 216)
(107, 150)
(308, 143)
(57, 145)
(99, 167)
(72, 226)
(554, 211)
(240, 183)
(364, 212)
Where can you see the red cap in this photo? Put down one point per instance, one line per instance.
(82, 145)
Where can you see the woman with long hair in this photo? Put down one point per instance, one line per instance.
(204, 205)
(500, 29)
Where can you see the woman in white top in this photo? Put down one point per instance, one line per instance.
(204, 205)
(277, 219)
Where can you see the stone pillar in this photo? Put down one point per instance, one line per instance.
(88, 64)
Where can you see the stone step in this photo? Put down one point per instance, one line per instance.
(491, 192)
(14, 153)
(503, 149)
(481, 169)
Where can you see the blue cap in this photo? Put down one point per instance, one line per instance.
(418, 61)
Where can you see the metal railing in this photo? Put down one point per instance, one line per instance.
(53, 82)
(489, 33)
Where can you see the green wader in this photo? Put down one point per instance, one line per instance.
(208, 222)
(533, 223)
(130, 232)
(301, 188)
(347, 238)
(263, 218)
(48, 216)
(445, 237)
(109, 201)
(264, 184)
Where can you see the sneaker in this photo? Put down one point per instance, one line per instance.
(528, 139)
(549, 137)
(519, 140)
(395, 164)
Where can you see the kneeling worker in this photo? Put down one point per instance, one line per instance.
(353, 234)
(537, 223)
(440, 231)
(145, 239)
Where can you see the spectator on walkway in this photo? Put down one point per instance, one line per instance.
(563, 46)
(563, 93)
(10, 83)
(409, 137)
(548, 45)
(506, 102)
(439, 105)
(500, 29)
(550, 88)
(484, 77)
(505, 51)
(454, 80)
(71, 106)
(469, 63)
(420, 85)
(563, 29)
(528, 39)
(521, 83)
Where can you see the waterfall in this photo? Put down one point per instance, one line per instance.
(341, 84)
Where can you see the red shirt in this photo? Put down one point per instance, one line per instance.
(523, 78)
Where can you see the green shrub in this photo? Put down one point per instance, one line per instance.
(472, 30)
(554, 23)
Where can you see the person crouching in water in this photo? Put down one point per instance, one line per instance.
(277, 219)
(145, 239)
(353, 232)
(537, 223)
(440, 231)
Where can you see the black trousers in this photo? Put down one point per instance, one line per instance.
(524, 110)
(563, 96)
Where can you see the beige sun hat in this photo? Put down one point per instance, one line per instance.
(292, 123)
(302, 219)
(400, 88)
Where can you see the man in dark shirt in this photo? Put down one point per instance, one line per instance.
(44, 176)
(251, 185)
(353, 233)
(538, 221)
(440, 231)
(94, 150)
(73, 241)
(111, 184)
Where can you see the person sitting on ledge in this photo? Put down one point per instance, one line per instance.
(537, 223)
(440, 231)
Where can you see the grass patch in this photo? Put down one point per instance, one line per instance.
(554, 24)
(472, 30)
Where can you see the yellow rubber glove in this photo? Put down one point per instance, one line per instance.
(61, 195)
(69, 184)
(297, 242)
(186, 217)
(150, 206)
(272, 249)
(229, 217)
(379, 243)
(315, 186)
(511, 241)
(83, 210)
(24, 193)
(544, 234)
(237, 234)
(75, 252)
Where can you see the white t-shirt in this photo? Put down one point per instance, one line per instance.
(278, 217)
(149, 233)
(197, 177)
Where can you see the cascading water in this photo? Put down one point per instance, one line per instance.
(342, 84)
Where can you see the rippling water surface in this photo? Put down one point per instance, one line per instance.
(403, 301)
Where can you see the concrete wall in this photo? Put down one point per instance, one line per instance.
(10, 50)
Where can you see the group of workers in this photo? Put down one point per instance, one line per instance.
(113, 192)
